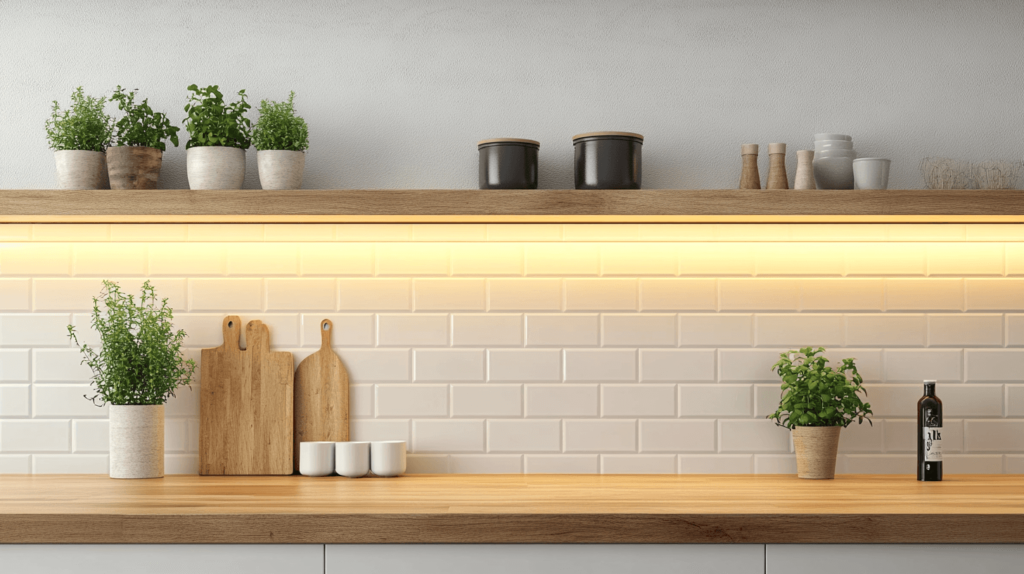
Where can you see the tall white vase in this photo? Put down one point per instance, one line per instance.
(136, 441)
(215, 167)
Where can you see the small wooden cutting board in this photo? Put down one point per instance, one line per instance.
(245, 405)
(321, 395)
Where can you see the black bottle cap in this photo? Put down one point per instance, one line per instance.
(929, 387)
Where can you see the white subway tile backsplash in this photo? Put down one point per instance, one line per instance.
(186, 259)
(70, 464)
(108, 259)
(14, 365)
(560, 330)
(34, 330)
(15, 294)
(449, 365)
(756, 435)
(638, 464)
(305, 232)
(336, 259)
(524, 294)
(405, 330)
(491, 259)
(448, 436)
(842, 295)
(360, 400)
(376, 365)
(900, 435)
(227, 295)
(774, 464)
(993, 435)
(14, 401)
(35, 435)
(561, 464)
(678, 294)
(888, 400)
(396, 401)
(379, 429)
(638, 400)
(350, 330)
(601, 295)
(1015, 400)
(799, 330)
(36, 260)
(487, 330)
(488, 400)
(181, 464)
(716, 259)
(1015, 258)
(59, 366)
(965, 330)
(797, 259)
(410, 259)
(716, 464)
(90, 436)
(427, 464)
(879, 463)
(924, 294)
(994, 365)
(716, 400)
(972, 464)
(449, 294)
(15, 463)
(262, 259)
(759, 294)
(889, 330)
(599, 365)
(747, 364)
(905, 365)
(671, 365)
(994, 294)
(562, 400)
(677, 435)
(648, 330)
(51, 401)
(966, 258)
(725, 330)
(600, 435)
(524, 436)
(971, 400)
(524, 365)
(863, 437)
(301, 294)
(639, 259)
(1015, 330)
(563, 259)
(65, 294)
(486, 463)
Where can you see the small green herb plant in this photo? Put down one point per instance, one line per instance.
(814, 394)
(141, 126)
(279, 128)
(211, 122)
(140, 360)
(83, 126)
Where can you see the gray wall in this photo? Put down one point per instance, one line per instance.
(397, 92)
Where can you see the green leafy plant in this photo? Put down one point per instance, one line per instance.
(211, 122)
(83, 126)
(141, 126)
(814, 394)
(140, 360)
(279, 128)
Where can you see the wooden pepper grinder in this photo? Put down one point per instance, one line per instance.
(777, 167)
(804, 178)
(750, 179)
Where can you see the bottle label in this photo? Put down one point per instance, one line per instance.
(933, 444)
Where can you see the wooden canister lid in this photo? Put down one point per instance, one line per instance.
(508, 140)
(748, 149)
(608, 134)
(776, 148)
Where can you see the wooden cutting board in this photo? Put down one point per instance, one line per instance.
(321, 395)
(245, 405)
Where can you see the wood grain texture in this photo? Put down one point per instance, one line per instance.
(321, 395)
(245, 405)
(512, 509)
(543, 205)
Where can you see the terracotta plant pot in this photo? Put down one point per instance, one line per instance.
(136, 441)
(79, 169)
(134, 167)
(215, 167)
(816, 449)
(280, 168)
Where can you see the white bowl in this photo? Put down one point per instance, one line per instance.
(833, 172)
(832, 137)
(850, 153)
(822, 145)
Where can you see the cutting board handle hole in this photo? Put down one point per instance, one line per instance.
(326, 326)
(231, 324)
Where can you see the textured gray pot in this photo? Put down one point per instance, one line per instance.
(136, 441)
(79, 169)
(280, 168)
(215, 167)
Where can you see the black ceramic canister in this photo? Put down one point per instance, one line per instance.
(508, 163)
(608, 160)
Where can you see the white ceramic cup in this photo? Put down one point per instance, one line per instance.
(352, 459)
(871, 173)
(832, 137)
(387, 457)
(316, 458)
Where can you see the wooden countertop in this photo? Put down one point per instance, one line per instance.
(511, 508)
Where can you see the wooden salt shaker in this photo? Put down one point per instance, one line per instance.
(804, 178)
(777, 167)
(750, 179)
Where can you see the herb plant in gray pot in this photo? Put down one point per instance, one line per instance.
(817, 403)
(134, 163)
(137, 367)
(219, 134)
(79, 135)
(281, 139)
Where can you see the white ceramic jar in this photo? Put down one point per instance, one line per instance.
(316, 458)
(387, 457)
(352, 459)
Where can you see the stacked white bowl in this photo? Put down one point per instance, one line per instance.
(833, 161)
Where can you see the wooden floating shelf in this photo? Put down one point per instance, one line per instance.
(512, 206)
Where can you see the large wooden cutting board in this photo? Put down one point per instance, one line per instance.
(245, 405)
(321, 395)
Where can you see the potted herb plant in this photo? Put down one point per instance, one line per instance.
(281, 139)
(78, 136)
(137, 367)
(134, 163)
(219, 134)
(817, 403)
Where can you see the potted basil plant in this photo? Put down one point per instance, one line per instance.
(817, 403)
(219, 134)
(281, 139)
(134, 163)
(138, 365)
(79, 135)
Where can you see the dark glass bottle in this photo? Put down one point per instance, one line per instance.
(929, 435)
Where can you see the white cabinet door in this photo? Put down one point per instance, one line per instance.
(545, 558)
(162, 558)
(895, 558)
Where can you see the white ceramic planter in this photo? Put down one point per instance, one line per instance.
(281, 169)
(215, 167)
(136, 441)
(79, 169)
